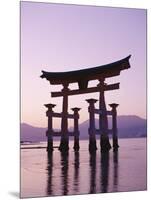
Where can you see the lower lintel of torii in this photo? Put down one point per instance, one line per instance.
(114, 86)
(58, 134)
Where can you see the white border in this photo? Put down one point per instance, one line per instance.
(9, 96)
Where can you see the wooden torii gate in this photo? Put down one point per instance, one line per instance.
(82, 77)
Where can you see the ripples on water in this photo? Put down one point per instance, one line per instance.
(83, 173)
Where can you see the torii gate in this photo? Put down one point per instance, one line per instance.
(82, 77)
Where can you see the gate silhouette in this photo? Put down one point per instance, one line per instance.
(82, 77)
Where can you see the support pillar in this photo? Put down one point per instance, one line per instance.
(114, 126)
(92, 138)
(103, 121)
(64, 143)
(76, 146)
(49, 132)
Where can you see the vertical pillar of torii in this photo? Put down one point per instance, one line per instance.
(64, 143)
(92, 138)
(76, 129)
(103, 121)
(49, 132)
(114, 126)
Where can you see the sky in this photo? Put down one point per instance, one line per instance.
(60, 37)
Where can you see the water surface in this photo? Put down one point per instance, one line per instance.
(82, 173)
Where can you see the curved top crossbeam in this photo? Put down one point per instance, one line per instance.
(84, 75)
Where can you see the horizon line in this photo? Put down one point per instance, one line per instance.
(81, 122)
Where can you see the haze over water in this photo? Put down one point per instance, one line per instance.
(82, 173)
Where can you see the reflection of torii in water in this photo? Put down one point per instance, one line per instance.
(82, 77)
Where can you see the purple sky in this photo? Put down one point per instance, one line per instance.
(59, 37)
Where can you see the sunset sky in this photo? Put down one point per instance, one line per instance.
(59, 37)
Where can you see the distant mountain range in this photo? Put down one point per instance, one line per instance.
(129, 126)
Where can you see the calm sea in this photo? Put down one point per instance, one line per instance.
(82, 173)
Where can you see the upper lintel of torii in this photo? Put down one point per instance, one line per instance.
(83, 76)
